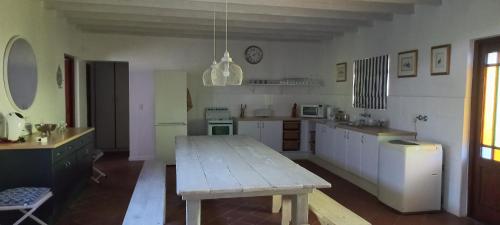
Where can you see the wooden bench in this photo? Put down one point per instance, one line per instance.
(147, 205)
(328, 211)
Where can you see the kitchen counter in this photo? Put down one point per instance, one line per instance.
(377, 131)
(278, 118)
(56, 139)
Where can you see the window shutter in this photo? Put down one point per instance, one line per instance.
(370, 82)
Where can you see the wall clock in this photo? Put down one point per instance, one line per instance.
(254, 54)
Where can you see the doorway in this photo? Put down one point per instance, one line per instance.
(69, 89)
(485, 133)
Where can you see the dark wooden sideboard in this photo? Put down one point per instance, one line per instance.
(64, 165)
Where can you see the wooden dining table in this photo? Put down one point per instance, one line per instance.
(215, 167)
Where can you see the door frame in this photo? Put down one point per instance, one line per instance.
(476, 118)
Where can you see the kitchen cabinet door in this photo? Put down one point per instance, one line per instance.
(369, 158)
(339, 147)
(249, 128)
(353, 164)
(330, 144)
(271, 134)
(320, 141)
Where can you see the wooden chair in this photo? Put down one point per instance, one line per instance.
(25, 199)
(328, 211)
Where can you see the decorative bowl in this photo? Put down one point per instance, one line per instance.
(45, 129)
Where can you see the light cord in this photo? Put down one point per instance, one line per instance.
(214, 35)
(226, 25)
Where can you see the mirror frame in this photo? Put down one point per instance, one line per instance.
(6, 69)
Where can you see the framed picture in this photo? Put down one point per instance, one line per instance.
(408, 64)
(341, 72)
(440, 56)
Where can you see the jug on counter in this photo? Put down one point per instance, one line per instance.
(15, 125)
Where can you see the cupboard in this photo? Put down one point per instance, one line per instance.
(268, 132)
(109, 104)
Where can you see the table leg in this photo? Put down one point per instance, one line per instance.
(300, 209)
(193, 212)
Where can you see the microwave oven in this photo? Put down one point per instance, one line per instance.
(312, 111)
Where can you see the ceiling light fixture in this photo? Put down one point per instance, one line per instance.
(227, 72)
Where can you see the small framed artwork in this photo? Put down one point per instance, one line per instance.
(408, 64)
(341, 72)
(440, 56)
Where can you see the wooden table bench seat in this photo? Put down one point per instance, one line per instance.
(328, 211)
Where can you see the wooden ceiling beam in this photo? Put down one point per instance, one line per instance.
(202, 28)
(196, 34)
(235, 9)
(76, 17)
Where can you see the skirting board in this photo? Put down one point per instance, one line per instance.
(140, 157)
(360, 182)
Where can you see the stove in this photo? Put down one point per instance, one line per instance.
(219, 121)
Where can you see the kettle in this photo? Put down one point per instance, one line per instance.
(15, 125)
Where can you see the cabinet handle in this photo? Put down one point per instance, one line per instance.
(362, 139)
(262, 124)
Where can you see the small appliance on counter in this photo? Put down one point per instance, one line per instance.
(312, 111)
(341, 116)
(264, 112)
(219, 121)
(15, 126)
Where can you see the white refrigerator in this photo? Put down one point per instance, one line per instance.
(170, 112)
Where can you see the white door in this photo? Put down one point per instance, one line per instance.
(354, 152)
(320, 141)
(249, 128)
(271, 134)
(170, 112)
(369, 158)
(330, 144)
(339, 147)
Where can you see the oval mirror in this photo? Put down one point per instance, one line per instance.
(20, 73)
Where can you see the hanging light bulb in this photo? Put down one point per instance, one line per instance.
(227, 72)
(207, 75)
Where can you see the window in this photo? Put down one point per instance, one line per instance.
(371, 82)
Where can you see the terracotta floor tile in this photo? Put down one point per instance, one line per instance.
(106, 204)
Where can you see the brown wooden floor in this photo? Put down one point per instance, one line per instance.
(105, 204)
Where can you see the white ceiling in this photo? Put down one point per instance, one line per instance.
(283, 20)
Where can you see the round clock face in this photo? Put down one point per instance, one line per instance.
(254, 54)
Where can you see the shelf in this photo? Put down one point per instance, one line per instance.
(289, 82)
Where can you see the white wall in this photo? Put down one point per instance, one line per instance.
(147, 54)
(51, 37)
(445, 99)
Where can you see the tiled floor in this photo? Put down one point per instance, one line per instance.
(105, 204)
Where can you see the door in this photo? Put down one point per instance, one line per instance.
(271, 134)
(369, 157)
(320, 134)
(249, 128)
(170, 112)
(340, 147)
(122, 105)
(485, 134)
(69, 89)
(354, 152)
(330, 144)
(105, 105)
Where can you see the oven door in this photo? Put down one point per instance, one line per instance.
(220, 129)
(309, 111)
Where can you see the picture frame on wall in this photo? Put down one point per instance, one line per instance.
(408, 64)
(440, 60)
(341, 72)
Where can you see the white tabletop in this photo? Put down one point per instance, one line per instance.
(219, 165)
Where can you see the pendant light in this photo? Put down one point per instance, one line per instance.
(207, 75)
(227, 72)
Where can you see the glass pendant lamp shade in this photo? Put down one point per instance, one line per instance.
(227, 71)
(207, 75)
